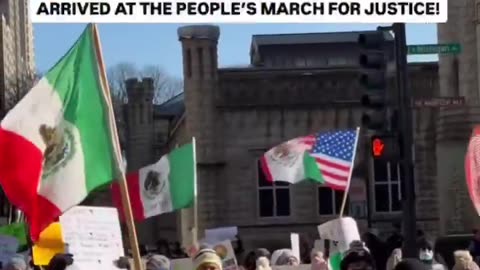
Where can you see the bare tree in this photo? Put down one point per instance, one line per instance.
(165, 86)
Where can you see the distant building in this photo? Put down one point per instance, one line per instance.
(295, 85)
(17, 59)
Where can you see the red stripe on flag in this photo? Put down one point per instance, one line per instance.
(472, 166)
(322, 163)
(20, 173)
(133, 184)
(265, 169)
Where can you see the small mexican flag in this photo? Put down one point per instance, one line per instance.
(163, 187)
(56, 144)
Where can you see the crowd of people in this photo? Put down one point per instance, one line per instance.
(369, 254)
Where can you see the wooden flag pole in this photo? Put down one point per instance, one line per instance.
(123, 183)
(345, 194)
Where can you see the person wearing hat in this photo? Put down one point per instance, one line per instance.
(157, 262)
(357, 257)
(207, 259)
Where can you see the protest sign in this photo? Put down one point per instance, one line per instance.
(49, 243)
(219, 234)
(225, 251)
(93, 236)
(8, 248)
(295, 243)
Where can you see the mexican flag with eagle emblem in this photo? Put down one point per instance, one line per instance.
(57, 144)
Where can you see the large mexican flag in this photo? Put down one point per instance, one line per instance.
(56, 144)
(162, 187)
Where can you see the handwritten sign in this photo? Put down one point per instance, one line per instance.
(8, 248)
(93, 236)
(295, 243)
(225, 251)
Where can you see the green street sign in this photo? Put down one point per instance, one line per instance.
(452, 48)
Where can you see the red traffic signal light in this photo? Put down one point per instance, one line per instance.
(385, 147)
(378, 146)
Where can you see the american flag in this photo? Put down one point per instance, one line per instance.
(472, 168)
(334, 153)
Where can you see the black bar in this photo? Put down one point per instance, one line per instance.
(406, 124)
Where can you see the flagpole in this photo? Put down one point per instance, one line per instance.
(194, 230)
(123, 182)
(345, 194)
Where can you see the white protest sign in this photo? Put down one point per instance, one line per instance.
(341, 230)
(319, 245)
(289, 267)
(225, 251)
(295, 243)
(93, 236)
(8, 248)
(220, 234)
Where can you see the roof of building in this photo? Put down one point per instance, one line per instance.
(172, 107)
(306, 38)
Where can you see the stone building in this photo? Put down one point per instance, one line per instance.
(17, 59)
(295, 85)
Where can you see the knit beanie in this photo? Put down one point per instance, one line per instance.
(158, 262)
(357, 252)
(263, 263)
(205, 256)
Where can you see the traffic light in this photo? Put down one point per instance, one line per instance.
(384, 147)
(373, 79)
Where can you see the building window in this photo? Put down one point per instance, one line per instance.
(329, 201)
(200, 61)
(387, 190)
(189, 63)
(273, 198)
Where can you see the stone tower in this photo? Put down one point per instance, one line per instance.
(140, 135)
(458, 76)
(139, 117)
(200, 73)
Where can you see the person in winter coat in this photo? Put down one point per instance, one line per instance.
(207, 259)
(357, 257)
(394, 259)
(426, 256)
(284, 257)
(157, 262)
(263, 263)
(464, 261)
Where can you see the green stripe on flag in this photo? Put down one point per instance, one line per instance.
(77, 81)
(181, 178)
(312, 171)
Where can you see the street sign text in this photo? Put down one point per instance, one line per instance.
(453, 48)
(439, 102)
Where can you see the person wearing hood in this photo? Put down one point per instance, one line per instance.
(426, 256)
(207, 259)
(357, 257)
(464, 261)
(394, 259)
(157, 262)
(17, 262)
(284, 257)
(263, 263)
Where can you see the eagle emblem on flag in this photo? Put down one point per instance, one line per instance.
(58, 147)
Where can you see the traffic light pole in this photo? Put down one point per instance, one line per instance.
(407, 143)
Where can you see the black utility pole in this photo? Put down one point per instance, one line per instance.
(406, 142)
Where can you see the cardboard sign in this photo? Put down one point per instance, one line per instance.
(225, 251)
(93, 236)
(341, 230)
